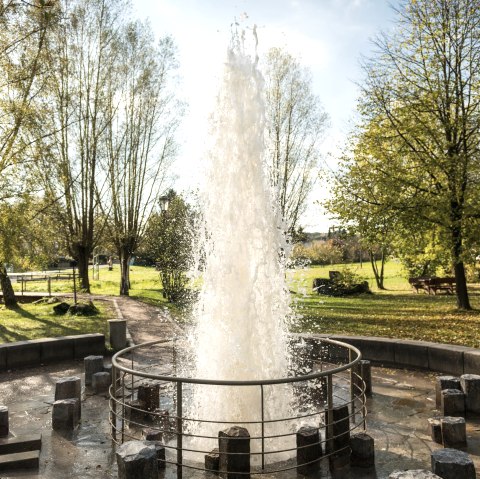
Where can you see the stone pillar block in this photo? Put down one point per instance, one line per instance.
(234, 452)
(4, 423)
(340, 421)
(435, 429)
(452, 402)
(135, 411)
(470, 384)
(92, 364)
(452, 464)
(101, 382)
(118, 333)
(454, 432)
(160, 450)
(363, 450)
(150, 395)
(152, 434)
(212, 461)
(413, 474)
(363, 369)
(67, 388)
(137, 460)
(444, 382)
(339, 445)
(309, 450)
(65, 414)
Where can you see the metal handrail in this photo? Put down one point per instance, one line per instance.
(121, 391)
(224, 382)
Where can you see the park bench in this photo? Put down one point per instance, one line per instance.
(432, 285)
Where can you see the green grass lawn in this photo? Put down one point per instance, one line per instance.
(35, 321)
(396, 312)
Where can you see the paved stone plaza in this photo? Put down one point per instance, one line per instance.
(398, 411)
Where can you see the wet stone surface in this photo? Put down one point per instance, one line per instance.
(399, 409)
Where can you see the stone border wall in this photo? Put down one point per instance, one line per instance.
(40, 351)
(402, 353)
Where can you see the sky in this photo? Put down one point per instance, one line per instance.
(329, 37)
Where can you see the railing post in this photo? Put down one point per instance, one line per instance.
(330, 413)
(49, 284)
(352, 384)
(113, 403)
(263, 426)
(179, 429)
(123, 407)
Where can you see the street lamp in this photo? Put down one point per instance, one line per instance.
(163, 201)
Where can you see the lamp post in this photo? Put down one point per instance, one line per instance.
(164, 202)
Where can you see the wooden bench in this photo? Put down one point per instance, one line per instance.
(432, 285)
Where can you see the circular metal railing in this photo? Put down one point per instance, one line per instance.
(147, 393)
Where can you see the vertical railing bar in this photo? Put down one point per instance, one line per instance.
(113, 402)
(123, 407)
(263, 426)
(179, 430)
(352, 384)
(330, 413)
(133, 382)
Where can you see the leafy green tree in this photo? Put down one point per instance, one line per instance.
(168, 240)
(418, 138)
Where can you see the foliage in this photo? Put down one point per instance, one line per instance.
(320, 252)
(416, 149)
(168, 240)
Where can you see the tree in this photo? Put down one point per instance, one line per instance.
(140, 140)
(420, 119)
(24, 28)
(169, 239)
(83, 56)
(295, 123)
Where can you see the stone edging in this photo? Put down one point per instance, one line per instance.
(403, 353)
(40, 351)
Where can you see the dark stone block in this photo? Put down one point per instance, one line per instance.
(454, 432)
(234, 451)
(4, 421)
(452, 402)
(471, 387)
(61, 308)
(445, 382)
(363, 450)
(212, 461)
(137, 460)
(150, 395)
(435, 429)
(452, 464)
(309, 450)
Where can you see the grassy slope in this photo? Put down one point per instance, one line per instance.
(34, 321)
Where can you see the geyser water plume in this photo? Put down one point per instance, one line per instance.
(240, 331)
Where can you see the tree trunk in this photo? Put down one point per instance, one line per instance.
(9, 298)
(463, 301)
(378, 274)
(82, 257)
(124, 273)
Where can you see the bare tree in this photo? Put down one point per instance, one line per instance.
(84, 56)
(140, 141)
(295, 121)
